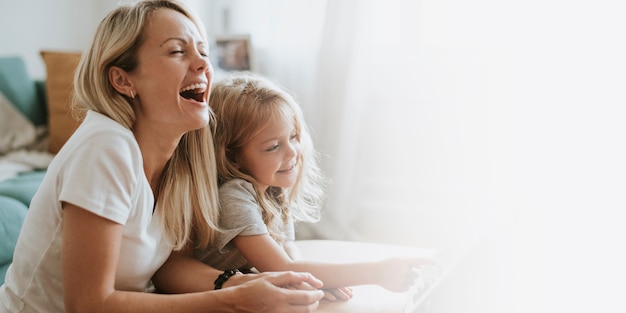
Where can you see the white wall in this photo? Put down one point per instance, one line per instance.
(285, 39)
(29, 26)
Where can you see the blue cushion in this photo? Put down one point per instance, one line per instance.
(21, 90)
(3, 271)
(22, 187)
(12, 214)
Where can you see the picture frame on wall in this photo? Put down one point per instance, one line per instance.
(232, 53)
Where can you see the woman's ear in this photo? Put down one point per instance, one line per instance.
(121, 82)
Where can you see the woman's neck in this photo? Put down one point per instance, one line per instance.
(156, 152)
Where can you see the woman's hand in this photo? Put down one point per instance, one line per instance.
(278, 292)
(240, 279)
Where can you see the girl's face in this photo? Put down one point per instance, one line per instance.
(272, 153)
(173, 75)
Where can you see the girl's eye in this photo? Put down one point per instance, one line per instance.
(177, 52)
(272, 148)
(295, 137)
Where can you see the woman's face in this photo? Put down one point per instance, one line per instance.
(173, 75)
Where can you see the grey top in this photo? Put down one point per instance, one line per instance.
(240, 215)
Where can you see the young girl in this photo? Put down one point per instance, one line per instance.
(269, 178)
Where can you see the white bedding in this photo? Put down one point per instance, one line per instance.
(23, 147)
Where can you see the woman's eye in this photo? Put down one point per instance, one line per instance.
(177, 52)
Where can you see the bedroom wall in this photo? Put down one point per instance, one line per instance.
(26, 27)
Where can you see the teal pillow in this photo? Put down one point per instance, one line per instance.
(22, 187)
(3, 271)
(12, 214)
(21, 90)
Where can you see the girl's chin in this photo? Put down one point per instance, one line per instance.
(286, 183)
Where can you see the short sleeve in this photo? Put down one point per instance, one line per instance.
(240, 215)
(101, 176)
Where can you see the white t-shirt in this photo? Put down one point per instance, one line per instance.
(99, 168)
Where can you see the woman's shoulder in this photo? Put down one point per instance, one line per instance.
(101, 138)
(98, 124)
(98, 130)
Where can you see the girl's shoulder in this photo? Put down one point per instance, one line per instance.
(237, 196)
(237, 184)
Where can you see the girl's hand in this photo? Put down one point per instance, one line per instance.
(399, 274)
(338, 294)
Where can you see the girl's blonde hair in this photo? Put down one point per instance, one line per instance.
(243, 103)
(187, 195)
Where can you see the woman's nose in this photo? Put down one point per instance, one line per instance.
(199, 59)
(203, 64)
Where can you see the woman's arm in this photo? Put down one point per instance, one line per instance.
(91, 247)
(181, 273)
(396, 274)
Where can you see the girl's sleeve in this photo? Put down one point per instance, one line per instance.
(240, 215)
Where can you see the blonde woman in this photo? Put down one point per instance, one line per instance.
(135, 184)
(270, 178)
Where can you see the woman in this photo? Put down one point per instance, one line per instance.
(128, 191)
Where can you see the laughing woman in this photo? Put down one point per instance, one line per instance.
(128, 191)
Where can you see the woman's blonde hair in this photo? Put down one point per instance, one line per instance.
(187, 195)
(243, 103)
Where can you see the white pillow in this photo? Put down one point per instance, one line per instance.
(16, 131)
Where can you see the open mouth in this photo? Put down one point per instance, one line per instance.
(194, 92)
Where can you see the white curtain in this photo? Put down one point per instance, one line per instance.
(501, 118)
(386, 116)
(337, 113)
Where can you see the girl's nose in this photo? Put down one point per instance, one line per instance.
(293, 150)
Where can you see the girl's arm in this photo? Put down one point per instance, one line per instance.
(396, 274)
(330, 294)
(91, 247)
(292, 250)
